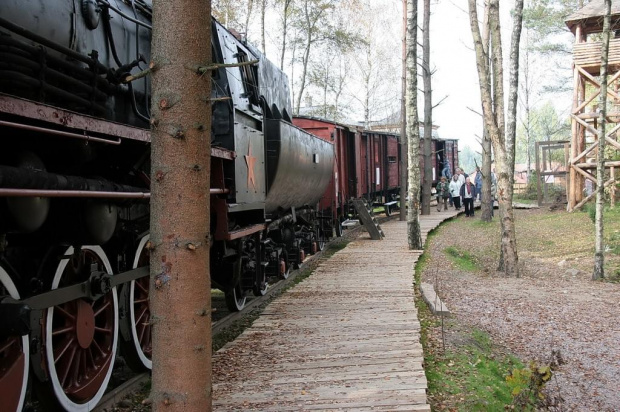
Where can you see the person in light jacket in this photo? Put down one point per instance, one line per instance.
(468, 194)
(455, 191)
(478, 181)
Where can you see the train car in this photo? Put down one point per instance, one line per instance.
(368, 164)
(74, 190)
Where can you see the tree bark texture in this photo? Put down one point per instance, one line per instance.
(413, 130)
(599, 248)
(180, 292)
(428, 110)
(403, 114)
(493, 112)
(486, 207)
(287, 3)
(263, 6)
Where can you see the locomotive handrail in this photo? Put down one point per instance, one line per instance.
(83, 136)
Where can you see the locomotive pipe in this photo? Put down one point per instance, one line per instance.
(102, 83)
(20, 77)
(21, 178)
(73, 193)
(45, 42)
(85, 193)
(60, 133)
(131, 19)
(23, 63)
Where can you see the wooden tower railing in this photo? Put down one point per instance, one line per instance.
(584, 116)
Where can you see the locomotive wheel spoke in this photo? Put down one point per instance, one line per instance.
(14, 358)
(81, 336)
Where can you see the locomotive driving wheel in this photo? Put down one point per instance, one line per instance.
(81, 335)
(14, 357)
(138, 350)
(235, 296)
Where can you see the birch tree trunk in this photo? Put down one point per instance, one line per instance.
(413, 130)
(509, 238)
(247, 17)
(599, 249)
(428, 110)
(287, 3)
(403, 114)
(503, 142)
(180, 290)
(486, 207)
(263, 6)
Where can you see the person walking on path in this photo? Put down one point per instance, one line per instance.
(478, 181)
(455, 191)
(468, 194)
(443, 193)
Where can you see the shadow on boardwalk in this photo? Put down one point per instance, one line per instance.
(347, 337)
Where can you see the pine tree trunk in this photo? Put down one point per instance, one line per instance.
(599, 248)
(413, 129)
(180, 289)
(247, 17)
(428, 110)
(403, 114)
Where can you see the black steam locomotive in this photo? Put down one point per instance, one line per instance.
(74, 190)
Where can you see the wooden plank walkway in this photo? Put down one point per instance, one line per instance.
(346, 338)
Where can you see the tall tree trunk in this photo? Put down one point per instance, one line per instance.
(428, 110)
(493, 112)
(263, 6)
(403, 128)
(486, 207)
(413, 129)
(287, 3)
(509, 238)
(180, 290)
(487, 204)
(247, 17)
(599, 249)
(306, 57)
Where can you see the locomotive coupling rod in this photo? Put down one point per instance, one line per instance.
(98, 284)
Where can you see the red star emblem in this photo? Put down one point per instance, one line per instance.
(250, 161)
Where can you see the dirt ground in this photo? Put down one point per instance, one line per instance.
(553, 306)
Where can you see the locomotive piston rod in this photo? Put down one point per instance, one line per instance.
(97, 285)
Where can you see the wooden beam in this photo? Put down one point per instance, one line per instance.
(583, 173)
(591, 195)
(593, 165)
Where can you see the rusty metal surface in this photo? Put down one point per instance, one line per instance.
(237, 234)
(69, 119)
(223, 153)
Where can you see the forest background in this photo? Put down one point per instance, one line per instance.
(343, 59)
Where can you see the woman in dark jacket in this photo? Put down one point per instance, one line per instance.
(468, 194)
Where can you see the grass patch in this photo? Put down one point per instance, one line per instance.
(462, 259)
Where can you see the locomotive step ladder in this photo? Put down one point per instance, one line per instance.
(368, 219)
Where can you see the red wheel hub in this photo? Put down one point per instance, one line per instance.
(85, 324)
(12, 368)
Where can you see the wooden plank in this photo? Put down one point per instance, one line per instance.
(346, 338)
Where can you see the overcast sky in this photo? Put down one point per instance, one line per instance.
(453, 58)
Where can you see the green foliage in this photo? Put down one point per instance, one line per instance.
(545, 124)
(546, 18)
(463, 259)
(468, 159)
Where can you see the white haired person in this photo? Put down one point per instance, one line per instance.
(455, 191)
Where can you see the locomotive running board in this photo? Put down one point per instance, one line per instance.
(369, 221)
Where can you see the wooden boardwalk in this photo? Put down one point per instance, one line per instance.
(346, 338)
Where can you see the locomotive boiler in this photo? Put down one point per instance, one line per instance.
(74, 190)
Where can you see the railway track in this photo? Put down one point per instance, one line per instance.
(135, 381)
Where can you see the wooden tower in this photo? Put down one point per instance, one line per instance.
(587, 26)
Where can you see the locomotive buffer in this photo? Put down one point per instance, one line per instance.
(369, 221)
